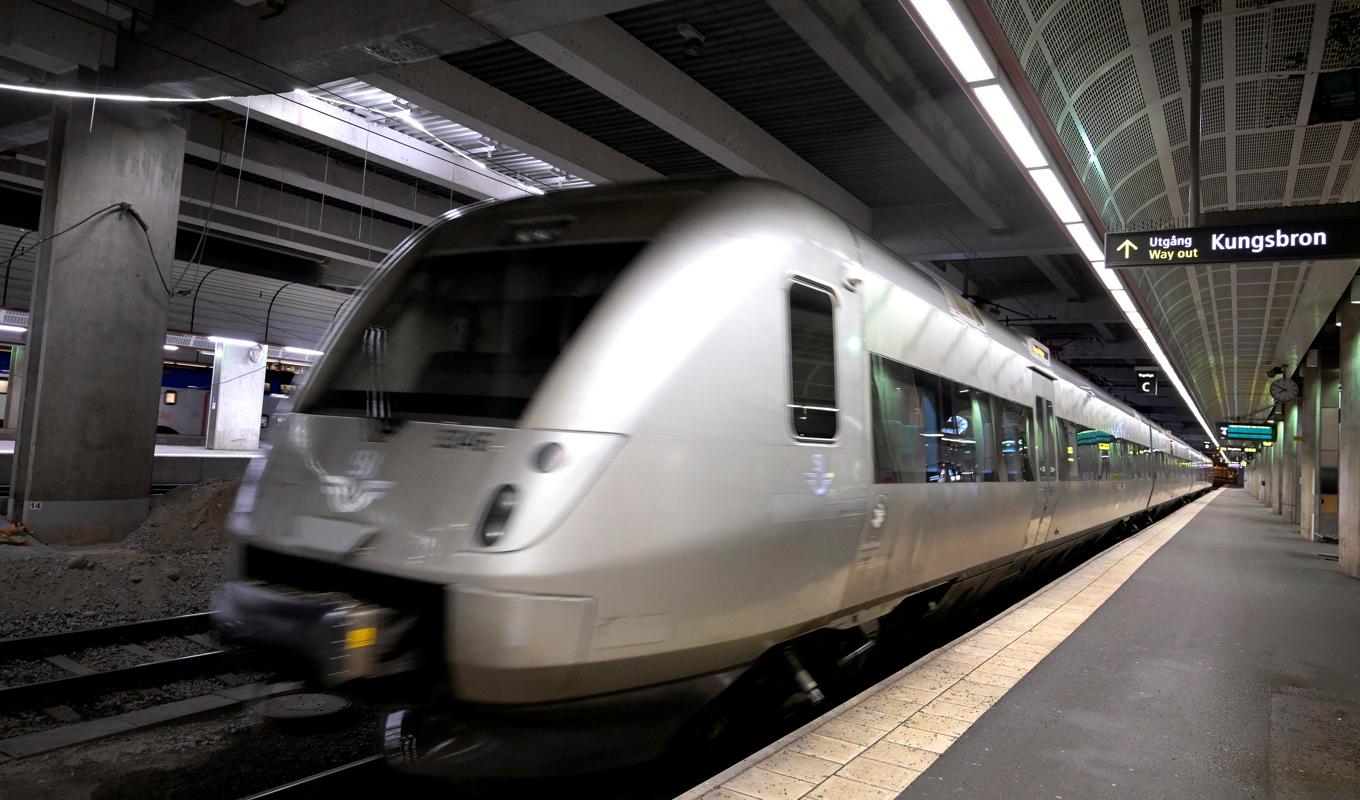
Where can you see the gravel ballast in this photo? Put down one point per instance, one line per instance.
(169, 565)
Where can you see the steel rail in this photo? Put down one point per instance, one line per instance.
(38, 646)
(60, 690)
(328, 781)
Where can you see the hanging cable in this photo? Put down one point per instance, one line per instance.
(106, 209)
(4, 295)
(196, 256)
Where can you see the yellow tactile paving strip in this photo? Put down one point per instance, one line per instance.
(876, 744)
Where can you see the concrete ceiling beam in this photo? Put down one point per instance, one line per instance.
(304, 115)
(845, 36)
(1056, 275)
(456, 95)
(509, 18)
(950, 232)
(297, 179)
(606, 58)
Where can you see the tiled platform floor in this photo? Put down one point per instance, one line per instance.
(878, 744)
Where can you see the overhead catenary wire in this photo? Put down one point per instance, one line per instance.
(489, 174)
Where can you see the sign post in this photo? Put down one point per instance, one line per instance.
(1284, 241)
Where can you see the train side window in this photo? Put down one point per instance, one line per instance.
(812, 357)
(1016, 421)
(905, 406)
(1094, 449)
(1067, 451)
(984, 430)
(928, 429)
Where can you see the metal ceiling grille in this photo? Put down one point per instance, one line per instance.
(523, 75)
(753, 61)
(1081, 59)
(387, 109)
(1110, 73)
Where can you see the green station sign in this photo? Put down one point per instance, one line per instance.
(1285, 241)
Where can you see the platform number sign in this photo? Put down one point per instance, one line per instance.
(1147, 382)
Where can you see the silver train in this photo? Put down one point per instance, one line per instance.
(576, 462)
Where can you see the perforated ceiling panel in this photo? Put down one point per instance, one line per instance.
(1112, 77)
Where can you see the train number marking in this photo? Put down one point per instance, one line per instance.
(465, 440)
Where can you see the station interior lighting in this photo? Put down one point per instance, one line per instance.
(229, 340)
(955, 41)
(303, 351)
(13, 329)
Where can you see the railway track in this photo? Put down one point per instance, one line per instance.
(337, 781)
(78, 680)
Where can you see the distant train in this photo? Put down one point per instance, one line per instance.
(575, 463)
(183, 407)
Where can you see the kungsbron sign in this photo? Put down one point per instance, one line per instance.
(1285, 241)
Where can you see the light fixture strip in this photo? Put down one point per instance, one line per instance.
(1012, 127)
(953, 39)
(947, 27)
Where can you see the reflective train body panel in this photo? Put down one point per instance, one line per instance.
(753, 431)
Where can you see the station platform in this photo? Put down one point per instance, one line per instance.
(1215, 654)
(174, 464)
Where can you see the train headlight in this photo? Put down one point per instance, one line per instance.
(549, 457)
(497, 515)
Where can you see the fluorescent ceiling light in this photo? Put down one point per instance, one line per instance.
(1125, 302)
(1111, 279)
(1136, 319)
(229, 340)
(126, 98)
(1086, 241)
(1053, 191)
(1011, 127)
(303, 351)
(170, 348)
(13, 329)
(953, 38)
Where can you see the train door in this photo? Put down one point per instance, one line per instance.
(1044, 447)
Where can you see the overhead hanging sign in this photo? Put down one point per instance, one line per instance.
(1245, 432)
(1147, 380)
(1284, 241)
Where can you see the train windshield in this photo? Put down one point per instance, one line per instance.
(470, 336)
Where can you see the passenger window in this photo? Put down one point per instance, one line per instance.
(929, 429)
(988, 450)
(1093, 455)
(1015, 425)
(1067, 451)
(812, 367)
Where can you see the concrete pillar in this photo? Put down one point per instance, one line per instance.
(1329, 444)
(237, 396)
(1310, 429)
(14, 398)
(1268, 477)
(86, 440)
(1277, 470)
(1289, 471)
(1348, 460)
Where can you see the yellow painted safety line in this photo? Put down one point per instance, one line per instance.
(874, 745)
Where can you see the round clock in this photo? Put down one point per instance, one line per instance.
(1284, 390)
